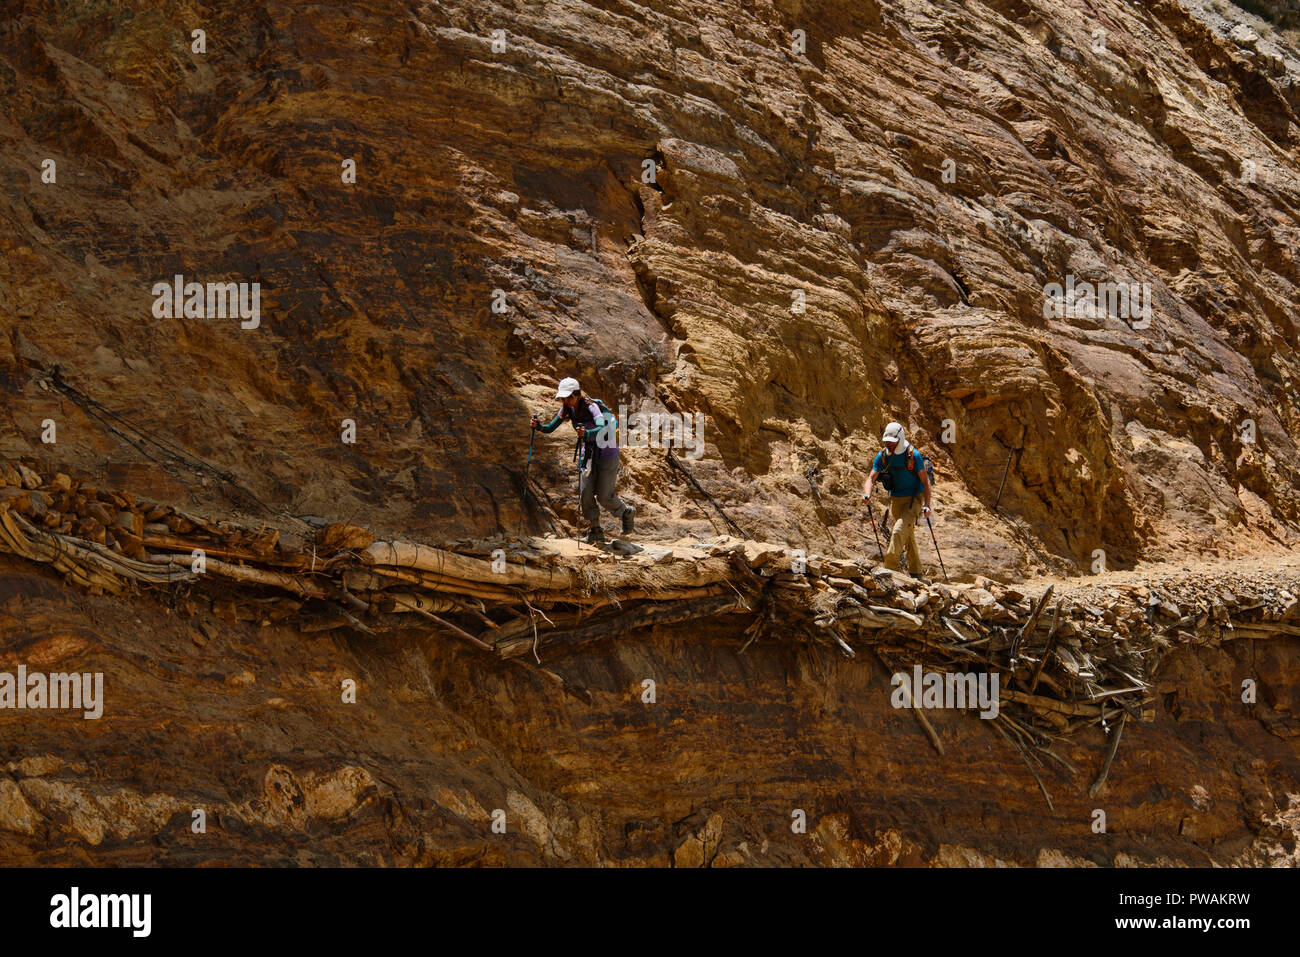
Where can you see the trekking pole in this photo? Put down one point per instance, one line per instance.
(532, 434)
(936, 547)
(577, 457)
(875, 534)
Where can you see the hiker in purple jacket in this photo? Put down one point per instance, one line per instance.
(598, 460)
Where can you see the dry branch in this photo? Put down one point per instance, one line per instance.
(670, 613)
(1096, 663)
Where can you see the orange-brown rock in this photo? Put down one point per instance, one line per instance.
(855, 212)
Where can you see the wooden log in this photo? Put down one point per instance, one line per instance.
(843, 645)
(643, 616)
(1047, 649)
(858, 591)
(352, 601)
(921, 719)
(454, 629)
(1100, 783)
(406, 602)
(79, 576)
(694, 574)
(461, 632)
(464, 568)
(1108, 694)
(245, 574)
(376, 578)
(1029, 625)
(881, 616)
(637, 594)
(22, 538)
(586, 578)
(1038, 701)
(452, 586)
(1057, 720)
(527, 625)
(791, 586)
(174, 543)
(994, 724)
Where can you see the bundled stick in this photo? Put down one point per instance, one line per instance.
(1087, 663)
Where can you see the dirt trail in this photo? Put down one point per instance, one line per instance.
(1191, 573)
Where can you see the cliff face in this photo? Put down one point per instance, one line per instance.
(689, 747)
(855, 210)
(1127, 145)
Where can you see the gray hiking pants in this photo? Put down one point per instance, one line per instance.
(598, 486)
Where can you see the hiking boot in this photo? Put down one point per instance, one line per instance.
(629, 519)
(595, 536)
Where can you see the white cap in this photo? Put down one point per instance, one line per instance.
(567, 388)
(893, 433)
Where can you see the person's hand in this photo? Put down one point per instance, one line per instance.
(536, 423)
(925, 511)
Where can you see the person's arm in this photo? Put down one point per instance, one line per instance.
(871, 484)
(925, 484)
(551, 426)
(600, 423)
(597, 422)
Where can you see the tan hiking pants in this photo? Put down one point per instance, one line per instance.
(903, 514)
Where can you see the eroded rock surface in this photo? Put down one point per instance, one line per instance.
(1130, 143)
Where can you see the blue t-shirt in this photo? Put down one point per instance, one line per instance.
(906, 484)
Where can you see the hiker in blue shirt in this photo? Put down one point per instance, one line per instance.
(598, 461)
(908, 483)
